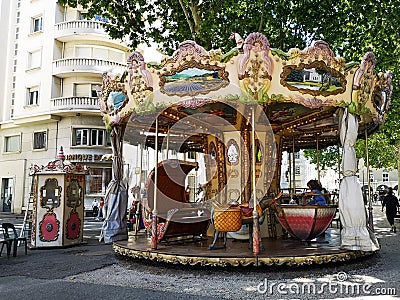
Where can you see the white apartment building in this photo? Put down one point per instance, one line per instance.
(52, 59)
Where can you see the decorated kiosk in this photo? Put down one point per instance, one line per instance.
(58, 209)
(239, 111)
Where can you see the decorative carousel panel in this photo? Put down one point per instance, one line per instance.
(74, 191)
(316, 79)
(49, 228)
(73, 226)
(190, 72)
(50, 194)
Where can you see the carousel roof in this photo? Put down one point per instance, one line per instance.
(299, 95)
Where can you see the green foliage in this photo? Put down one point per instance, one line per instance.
(328, 157)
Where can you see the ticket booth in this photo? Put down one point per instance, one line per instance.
(58, 209)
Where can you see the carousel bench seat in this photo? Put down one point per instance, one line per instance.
(187, 222)
(178, 216)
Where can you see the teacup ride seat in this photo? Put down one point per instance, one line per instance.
(304, 222)
(231, 218)
(177, 219)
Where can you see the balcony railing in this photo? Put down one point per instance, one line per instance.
(80, 27)
(86, 65)
(74, 103)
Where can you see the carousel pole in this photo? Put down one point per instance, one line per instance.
(293, 168)
(370, 215)
(338, 158)
(256, 240)
(138, 194)
(167, 143)
(154, 213)
(318, 160)
(290, 173)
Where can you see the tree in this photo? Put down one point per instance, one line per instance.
(328, 157)
(352, 28)
(286, 23)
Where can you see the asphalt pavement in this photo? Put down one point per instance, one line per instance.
(93, 271)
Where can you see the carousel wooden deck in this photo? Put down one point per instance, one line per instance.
(279, 251)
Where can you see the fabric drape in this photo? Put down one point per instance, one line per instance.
(116, 200)
(355, 234)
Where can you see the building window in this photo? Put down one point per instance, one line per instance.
(34, 59)
(371, 177)
(191, 155)
(297, 155)
(99, 53)
(81, 137)
(85, 89)
(12, 143)
(39, 140)
(93, 91)
(385, 176)
(97, 180)
(33, 96)
(82, 15)
(88, 137)
(37, 24)
(297, 172)
(97, 137)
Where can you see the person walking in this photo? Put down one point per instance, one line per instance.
(95, 207)
(391, 203)
(100, 215)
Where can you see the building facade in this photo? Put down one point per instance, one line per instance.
(53, 58)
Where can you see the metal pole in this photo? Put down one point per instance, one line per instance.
(294, 168)
(138, 190)
(318, 160)
(167, 142)
(256, 240)
(154, 213)
(369, 199)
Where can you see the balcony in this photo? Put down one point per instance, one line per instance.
(81, 29)
(75, 104)
(85, 66)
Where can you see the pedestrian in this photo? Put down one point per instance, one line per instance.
(375, 198)
(100, 215)
(392, 203)
(95, 207)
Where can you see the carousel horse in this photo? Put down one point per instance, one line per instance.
(176, 217)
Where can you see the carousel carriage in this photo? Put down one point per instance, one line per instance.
(177, 218)
(239, 112)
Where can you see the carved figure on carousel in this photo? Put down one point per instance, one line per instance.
(255, 77)
(140, 80)
(238, 39)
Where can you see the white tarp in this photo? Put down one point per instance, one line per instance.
(355, 234)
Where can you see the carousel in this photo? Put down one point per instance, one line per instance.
(236, 113)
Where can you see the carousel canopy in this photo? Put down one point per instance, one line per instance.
(299, 94)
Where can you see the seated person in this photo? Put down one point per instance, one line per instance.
(316, 192)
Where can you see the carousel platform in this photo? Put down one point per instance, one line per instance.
(277, 252)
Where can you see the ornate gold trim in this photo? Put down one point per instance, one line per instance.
(240, 261)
